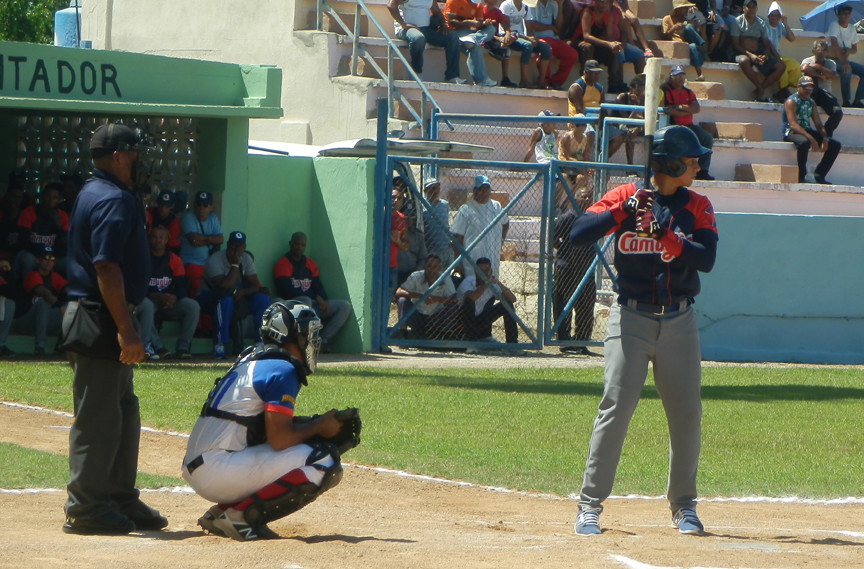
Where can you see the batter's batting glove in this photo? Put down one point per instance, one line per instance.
(646, 225)
(637, 201)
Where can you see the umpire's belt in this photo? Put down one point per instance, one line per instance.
(193, 464)
(654, 308)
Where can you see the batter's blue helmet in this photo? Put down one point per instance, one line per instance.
(670, 145)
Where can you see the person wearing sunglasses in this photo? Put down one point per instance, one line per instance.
(797, 114)
(40, 311)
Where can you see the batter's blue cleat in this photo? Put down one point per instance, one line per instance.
(688, 522)
(587, 523)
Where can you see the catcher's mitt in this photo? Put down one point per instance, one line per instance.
(348, 436)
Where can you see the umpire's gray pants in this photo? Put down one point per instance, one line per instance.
(103, 441)
(633, 339)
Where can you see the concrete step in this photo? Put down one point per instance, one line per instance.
(365, 69)
(644, 9)
(329, 24)
(401, 112)
(670, 49)
(766, 173)
(734, 130)
(707, 90)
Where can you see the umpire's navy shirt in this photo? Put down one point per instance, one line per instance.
(107, 224)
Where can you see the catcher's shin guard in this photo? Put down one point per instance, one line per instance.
(296, 495)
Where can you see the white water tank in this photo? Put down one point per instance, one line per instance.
(67, 25)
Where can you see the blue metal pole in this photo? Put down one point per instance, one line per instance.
(380, 229)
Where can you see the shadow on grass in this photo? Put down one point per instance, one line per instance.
(753, 393)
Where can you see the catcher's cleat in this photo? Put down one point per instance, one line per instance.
(587, 523)
(207, 521)
(688, 522)
(233, 524)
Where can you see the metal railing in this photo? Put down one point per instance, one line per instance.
(357, 51)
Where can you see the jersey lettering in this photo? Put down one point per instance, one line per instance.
(160, 283)
(632, 244)
(47, 240)
(302, 284)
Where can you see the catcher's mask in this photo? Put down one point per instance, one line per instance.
(296, 322)
(670, 145)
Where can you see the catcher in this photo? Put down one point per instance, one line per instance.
(247, 451)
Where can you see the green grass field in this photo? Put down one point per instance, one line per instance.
(771, 432)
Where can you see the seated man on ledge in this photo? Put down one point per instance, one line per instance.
(479, 309)
(230, 288)
(434, 317)
(297, 279)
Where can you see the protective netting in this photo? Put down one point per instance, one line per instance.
(527, 247)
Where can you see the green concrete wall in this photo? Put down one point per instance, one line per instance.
(328, 199)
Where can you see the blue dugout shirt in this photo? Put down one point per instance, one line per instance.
(190, 224)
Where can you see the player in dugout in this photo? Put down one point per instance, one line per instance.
(663, 239)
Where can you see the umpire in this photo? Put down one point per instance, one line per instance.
(663, 238)
(109, 269)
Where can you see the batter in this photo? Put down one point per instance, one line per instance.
(663, 239)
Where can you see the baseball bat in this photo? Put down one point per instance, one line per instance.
(652, 93)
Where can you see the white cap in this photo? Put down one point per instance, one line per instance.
(774, 7)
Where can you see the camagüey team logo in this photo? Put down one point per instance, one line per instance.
(632, 244)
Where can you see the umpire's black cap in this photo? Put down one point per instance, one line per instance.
(110, 138)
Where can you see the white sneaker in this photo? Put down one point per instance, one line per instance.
(468, 42)
(151, 353)
(457, 81)
(810, 179)
(487, 83)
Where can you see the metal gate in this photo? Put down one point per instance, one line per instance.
(551, 293)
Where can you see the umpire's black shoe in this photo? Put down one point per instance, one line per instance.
(144, 517)
(109, 523)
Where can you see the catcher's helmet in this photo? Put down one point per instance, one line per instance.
(670, 145)
(293, 321)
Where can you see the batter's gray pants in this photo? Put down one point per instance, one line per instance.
(633, 339)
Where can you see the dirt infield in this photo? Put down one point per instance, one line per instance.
(384, 520)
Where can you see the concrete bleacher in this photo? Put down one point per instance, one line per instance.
(724, 96)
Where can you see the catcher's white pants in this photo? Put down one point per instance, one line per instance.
(227, 477)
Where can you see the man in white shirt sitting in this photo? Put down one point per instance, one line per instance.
(414, 24)
(434, 316)
(479, 308)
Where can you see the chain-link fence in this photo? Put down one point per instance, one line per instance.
(480, 248)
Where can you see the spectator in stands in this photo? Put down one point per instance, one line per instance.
(415, 25)
(465, 20)
(575, 144)
(750, 41)
(473, 217)
(624, 134)
(843, 38)
(516, 12)
(7, 308)
(714, 31)
(681, 104)
(167, 296)
(822, 70)
(72, 184)
(398, 239)
(543, 141)
(797, 114)
(230, 291)
(297, 278)
(634, 25)
(411, 259)
(201, 237)
(544, 22)
(42, 225)
(161, 215)
(571, 264)
(677, 28)
(436, 223)
(40, 312)
(778, 28)
(603, 38)
(586, 93)
(479, 308)
(434, 316)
